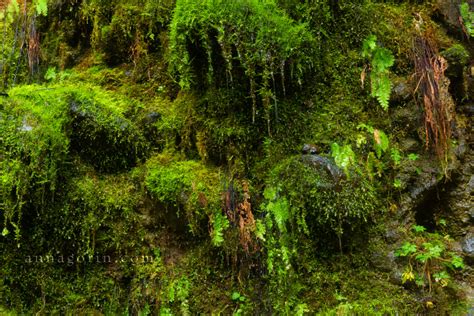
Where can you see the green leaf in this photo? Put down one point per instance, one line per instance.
(5, 231)
(343, 156)
(260, 229)
(396, 156)
(235, 296)
(467, 18)
(419, 228)
(368, 45)
(442, 275)
(50, 74)
(381, 59)
(219, 224)
(381, 142)
(457, 262)
(397, 183)
(281, 212)
(42, 7)
(413, 157)
(406, 249)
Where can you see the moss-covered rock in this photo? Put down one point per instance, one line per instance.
(191, 187)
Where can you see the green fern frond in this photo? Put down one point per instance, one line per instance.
(381, 88)
(219, 224)
(369, 45)
(42, 7)
(381, 59)
(467, 18)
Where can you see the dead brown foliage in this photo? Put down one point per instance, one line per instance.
(433, 86)
(240, 214)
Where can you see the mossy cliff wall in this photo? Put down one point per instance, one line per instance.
(236, 157)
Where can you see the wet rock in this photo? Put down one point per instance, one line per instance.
(25, 127)
(384, 261)
(467, 245)
(448, 11)
(461, 149)
(409, 145)
(401, 90)
(152, 117)
(467, 109)
(325, 164)
(392, 236)
(396, 277)
(309, 149)
(419, 200)
(457, 57)
(407, 117)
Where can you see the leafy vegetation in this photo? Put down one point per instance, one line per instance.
(151, 162)
(429, 259)
(254, 35)
(381, 59)
(468, 18)
(190, 186)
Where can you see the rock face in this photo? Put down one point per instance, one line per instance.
(467, 245)
(449, 12)
(310, 158)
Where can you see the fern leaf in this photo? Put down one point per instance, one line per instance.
(42, 7)
(381, 89)
(369, 45)
(383, 59)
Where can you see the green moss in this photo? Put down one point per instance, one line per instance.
(44, 128)
(257, 35)
(318, 200)
(190, 186)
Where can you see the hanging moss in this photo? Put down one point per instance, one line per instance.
(255, 36)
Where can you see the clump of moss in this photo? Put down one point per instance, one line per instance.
(44, 128)
(320, 202)
(191, 187)
(217, 39)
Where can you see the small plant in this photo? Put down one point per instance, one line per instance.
(380, 59)
(397, 184)
(429, 259)
(413, 157)
(237, 297)
(381, 141)
(396, 156)
(343, 156)
(467, 18)
(51, 74)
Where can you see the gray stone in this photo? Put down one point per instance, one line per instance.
(409, 145)
(325, 164)
(401, 90)
(449, 12)
(467, 245)
(384, 262)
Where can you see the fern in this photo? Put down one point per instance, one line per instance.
(219, 225)
(381, 59)
(42, 7)
(381, 88)
(343, 156)
(467, 18)
(279, 208)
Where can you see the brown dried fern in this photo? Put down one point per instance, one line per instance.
(433, 87)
